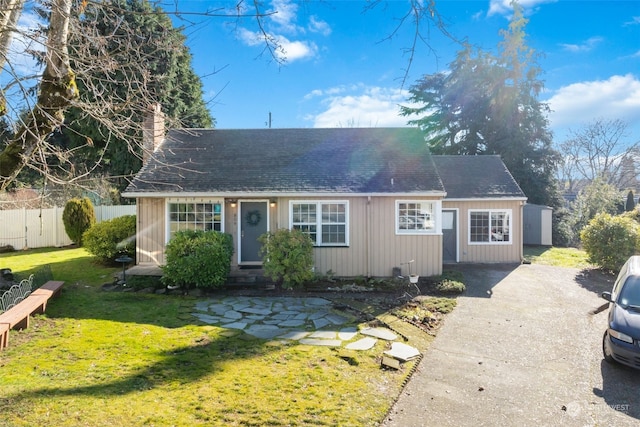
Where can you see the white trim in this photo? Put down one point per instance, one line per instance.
(490, 212)
(487, 199)
(437, 218)
(185, 200)
(318, 243)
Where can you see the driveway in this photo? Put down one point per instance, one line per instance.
(523, 347)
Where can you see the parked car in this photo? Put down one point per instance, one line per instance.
(621, 340)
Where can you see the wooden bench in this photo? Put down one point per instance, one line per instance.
(17, 317)
(52, 288)
(4, 335)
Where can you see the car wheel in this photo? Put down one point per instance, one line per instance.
(606, 349)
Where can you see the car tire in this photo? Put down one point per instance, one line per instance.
(606, 351)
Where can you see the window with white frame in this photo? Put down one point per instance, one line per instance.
(490, 226)
(325, 222)
(415, 217)
(194, 216)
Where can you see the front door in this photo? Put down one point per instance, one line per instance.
(449, 236)
(254, 220)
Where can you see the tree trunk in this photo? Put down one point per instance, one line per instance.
(57, 90)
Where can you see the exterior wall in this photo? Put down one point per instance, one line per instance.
(374, 248)
(488, 253)
(151, 230)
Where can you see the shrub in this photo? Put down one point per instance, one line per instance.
(287, 257)
(109, 239)
(196, 258)
(78, 216)
(610, 240)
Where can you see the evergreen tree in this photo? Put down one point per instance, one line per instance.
(134, 33)
(488, 104)
(630, 204)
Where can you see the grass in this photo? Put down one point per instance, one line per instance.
(131, 359)
(559, 257)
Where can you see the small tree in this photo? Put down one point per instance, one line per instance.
(287, 257)
(610, 240)
(198, 258)
(78, 216)
(631, 204)
(108, 239)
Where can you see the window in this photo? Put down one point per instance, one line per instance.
(490, 226)
(195, 216)
(415, 217)
(324, 222)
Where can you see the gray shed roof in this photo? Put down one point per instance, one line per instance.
(292, 161)
(476, 177)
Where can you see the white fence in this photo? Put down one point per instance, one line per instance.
(40, 228)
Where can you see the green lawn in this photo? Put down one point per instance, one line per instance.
(131, 359)
(560, 257)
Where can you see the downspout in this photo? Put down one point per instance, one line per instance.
(368, 237)
(522, 231)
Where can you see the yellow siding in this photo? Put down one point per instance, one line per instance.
(150, 231)
(488, 253)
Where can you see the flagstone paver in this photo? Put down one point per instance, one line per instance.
(382, 333)
(287, 319)
(365, 343)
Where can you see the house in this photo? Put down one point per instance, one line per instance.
(371, 199)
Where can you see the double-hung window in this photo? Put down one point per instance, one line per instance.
(415, 217)
(325, 222)
(490, 226)
(203, 215)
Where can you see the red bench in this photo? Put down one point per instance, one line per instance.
(17, 317)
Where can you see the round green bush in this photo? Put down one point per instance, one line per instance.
(109, 239)
(610, 240)
(287, 257)
(196, 258)
(78, 216)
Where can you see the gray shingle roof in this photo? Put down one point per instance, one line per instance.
(337, 160)
(473, 177)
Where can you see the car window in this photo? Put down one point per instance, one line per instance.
(619, 280)
(630, 292)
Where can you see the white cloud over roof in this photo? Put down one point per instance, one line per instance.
(617, 97)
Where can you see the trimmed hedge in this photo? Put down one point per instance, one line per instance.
(196, 258)
(109, 239)
(610, 240)
(78, 216)
(287, 257)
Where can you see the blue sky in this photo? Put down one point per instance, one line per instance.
(345, 64)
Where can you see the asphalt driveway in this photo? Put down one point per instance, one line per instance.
(523, 347)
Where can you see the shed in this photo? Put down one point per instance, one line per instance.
(537, 222)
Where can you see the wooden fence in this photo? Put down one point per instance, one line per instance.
(40, 228)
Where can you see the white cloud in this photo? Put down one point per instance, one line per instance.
(360, 106)
(294, 50)
(285, 15)
(585, 46)
(618, 97)
(318, 26)
(634, 21)
(503, 7)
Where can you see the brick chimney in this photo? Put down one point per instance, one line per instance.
(152, 131)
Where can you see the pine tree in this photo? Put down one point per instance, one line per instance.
(487, 104)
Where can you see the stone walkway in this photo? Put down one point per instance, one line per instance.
(307, 320)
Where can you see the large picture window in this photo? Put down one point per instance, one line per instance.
(195, 216)
(490, 226)
(415, 217)
(324, 222)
